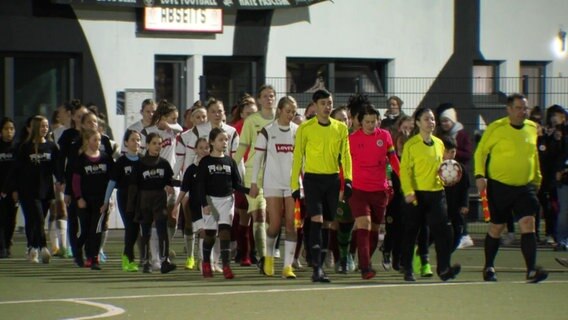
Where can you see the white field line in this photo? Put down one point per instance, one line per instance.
(318, 288)
(111, 310)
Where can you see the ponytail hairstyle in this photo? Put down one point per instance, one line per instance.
(149, 139)
(127, 135)
(86, 134)
(356, 104)
(74, 105)
(211, 102)
(283, 102)
(213, 135)
(417, 114)
(35, 135)
(164, 108)
(265, 87)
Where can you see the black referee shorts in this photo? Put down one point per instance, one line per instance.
(505, 200)
(321, 194)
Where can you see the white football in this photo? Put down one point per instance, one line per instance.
(450, 172)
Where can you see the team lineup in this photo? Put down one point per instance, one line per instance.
(323, 183)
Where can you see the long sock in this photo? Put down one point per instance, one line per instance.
(373, 242)
(270, 246)
(141, 249)
(333, 245)
(344, 238)
(51, 229)
(61, 226)
(200, 254)
(104, 237)
(216, 254)
(316, 243)
(171, 232)
(154, 246)
(189, 240)
(299, 236)
(528, 247)
(233, 247)
(207, 245)
(491, 249)
(243, 243)
(277, 243)
(289, 250)
(260, 238)
(225, 246)
(324, 243)
(363, 252)
(353, 245)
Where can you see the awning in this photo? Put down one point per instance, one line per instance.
(195, 4)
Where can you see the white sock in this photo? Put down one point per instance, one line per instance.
(216, 252)
(104, 237)
(200, 251)
(289, 250)
(154, 247)
(171, 232)
(61, 228)
(260, 238)
(270, 243)
(51, 229)
(189, 242)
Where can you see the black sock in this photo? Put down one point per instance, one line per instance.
(225, 251)
(491, 248)
(324, 243)
(208, 243)
(528, 247)
(316, 243)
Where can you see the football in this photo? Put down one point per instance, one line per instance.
(450, 172)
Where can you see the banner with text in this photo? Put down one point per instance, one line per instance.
(218, 4)
(183, 19)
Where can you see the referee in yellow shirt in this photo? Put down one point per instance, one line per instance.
(506, 163)
(424, 196)
(321, 146)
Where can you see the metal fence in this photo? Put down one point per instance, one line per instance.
(480, 96)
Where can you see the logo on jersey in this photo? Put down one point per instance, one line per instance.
(40, 157)
(153, 174)
(380, 143)
(219, 169)
(127, 170)
(96, 168)
(284, 148)
(166, 142)
(6, 156)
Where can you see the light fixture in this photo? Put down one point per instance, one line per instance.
(562, 38)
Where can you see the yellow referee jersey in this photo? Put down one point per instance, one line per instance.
(512, 153)
(319, 148)
(419, 165)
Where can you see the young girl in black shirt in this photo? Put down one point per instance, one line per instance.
(33, 181)
(120, 178)
(148, 200)
(217, 178)
(90, 178)
(192, 213)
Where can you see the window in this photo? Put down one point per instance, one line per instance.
(170, 81)
(227, 79)
(36, 84)
(343, 77)
(532, 83)
(485, 75)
